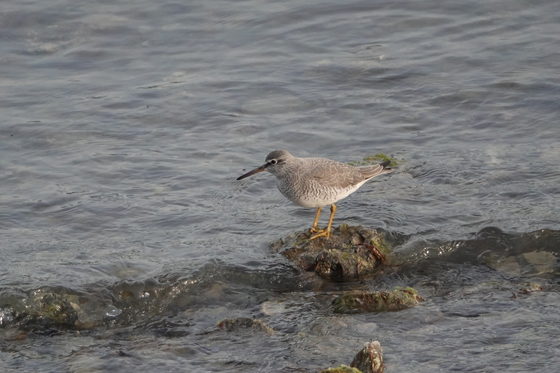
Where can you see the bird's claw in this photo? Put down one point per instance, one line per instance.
(320, 233)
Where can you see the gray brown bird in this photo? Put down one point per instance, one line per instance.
(316, 182)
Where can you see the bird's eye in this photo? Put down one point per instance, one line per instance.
(273, 161)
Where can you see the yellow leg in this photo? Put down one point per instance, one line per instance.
(314, 226)
(325, 232)
(333, 209)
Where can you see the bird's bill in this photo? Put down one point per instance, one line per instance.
(255, 171)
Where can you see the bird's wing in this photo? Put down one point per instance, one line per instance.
(334, 174)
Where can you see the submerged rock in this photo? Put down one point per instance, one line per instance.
(341, 369)
(516, 255)
(57, 308)
(244, 323)
(47, 307)
(377, 301)
(369, 359)
(529, 287)
(350, 253)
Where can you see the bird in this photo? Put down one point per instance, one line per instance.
(316, 182)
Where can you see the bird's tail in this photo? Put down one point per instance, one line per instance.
(385, 165)
(378, 169)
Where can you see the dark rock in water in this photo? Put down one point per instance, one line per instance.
(244, 323)
(377, 301)
(341, 369)
(369, 359)
(57, 308)
(348, 254)
(46, 308)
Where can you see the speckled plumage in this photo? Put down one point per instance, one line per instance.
(316, 182)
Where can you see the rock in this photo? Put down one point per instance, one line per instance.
(341, 369)
(349, 254)
(244, 323)
(529, 287)
(57, 308)
(369, 359)
(377, 301)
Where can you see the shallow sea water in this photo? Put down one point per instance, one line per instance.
(124, 126)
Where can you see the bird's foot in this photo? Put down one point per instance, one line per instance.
(320, 233)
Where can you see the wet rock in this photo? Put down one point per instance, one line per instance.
(529, 287)
(534, 263)
(44, 308)
(540, 263)
(6, 316)
(57, 308)
(341, 369)
(377, 301)
(375, 159)
(527, 254)
(350, 253)
(244, 323)
(369, 359)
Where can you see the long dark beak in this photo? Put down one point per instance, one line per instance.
(255, 171)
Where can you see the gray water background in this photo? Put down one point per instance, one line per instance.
(124, 125)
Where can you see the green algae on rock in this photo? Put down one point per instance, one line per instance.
(244, 323)
(369, 359)
(57, 308)
(377, 301)
(374, 159)
(341, 369)
(350, 253)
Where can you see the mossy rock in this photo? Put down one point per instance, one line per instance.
(350, 253)
(341, 369)
(244, 323)
(375, 159)
(57, 308)
(377, 301)
(369, 359)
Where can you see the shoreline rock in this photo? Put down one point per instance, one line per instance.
(349, 254)
(377, 301)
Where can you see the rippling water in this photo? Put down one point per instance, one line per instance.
(124, 126)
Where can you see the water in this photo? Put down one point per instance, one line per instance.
(124, 126)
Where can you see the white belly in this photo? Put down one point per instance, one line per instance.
(316, 197)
